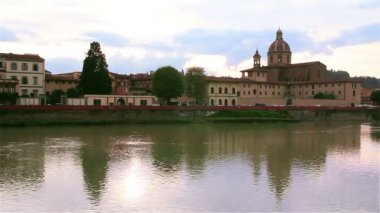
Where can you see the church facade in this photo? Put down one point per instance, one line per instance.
(282, 83)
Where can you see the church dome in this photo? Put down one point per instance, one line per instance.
(279, 45)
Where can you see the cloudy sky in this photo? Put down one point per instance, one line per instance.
(219, 35)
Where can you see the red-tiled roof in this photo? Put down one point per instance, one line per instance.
(60, 78)
(24, 57)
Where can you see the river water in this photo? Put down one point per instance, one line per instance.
(304, 166)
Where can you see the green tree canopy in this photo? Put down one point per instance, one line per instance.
(55, 97)
(195, 84)
(94, 78)
(167, 83)
(375, 97)
(73, 93)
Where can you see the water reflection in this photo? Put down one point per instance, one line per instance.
(21, 159)
(131, 160)
(94, 155)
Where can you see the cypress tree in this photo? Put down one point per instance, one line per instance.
(95, 78)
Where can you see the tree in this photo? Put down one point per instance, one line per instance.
(94, 78)
(73, 93)
(167, 83)
(195, 84)
(55, 97)
(8, 98)
(375, 97)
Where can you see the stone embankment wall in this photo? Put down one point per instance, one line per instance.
(25, 117)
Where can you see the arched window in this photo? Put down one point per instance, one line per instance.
(212, 102)
(225, 102)
(220, 90)
(220, 101)
(233, 90)
(225, 90)
(212, 90)
(233, 102)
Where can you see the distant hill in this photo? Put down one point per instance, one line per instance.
(368, 82)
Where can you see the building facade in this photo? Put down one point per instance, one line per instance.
(28, 70)
(282, 83)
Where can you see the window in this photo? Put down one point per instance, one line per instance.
(35, 80)
(254, 91)
(212, 90)
(24, 80)
(233, 102)
(225, 102)
(35, 93)
(339, 92)
(265, 92)
(225, 90)
(273, 93)
(24, 66)
(97, 102)
(279, 58)
(14, 77)
(35, 67)
(260, 92)
(249, 92)
(24, 92)
(212, 102)
(220, 101)
(1, 64)
(13, 66)
(353, 93)
(220, 90)
(233, 90)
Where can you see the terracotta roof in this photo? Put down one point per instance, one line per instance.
(279, 45)
(326, 81)
(24, 57)
(60, 78)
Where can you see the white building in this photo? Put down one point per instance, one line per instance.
(28, 69)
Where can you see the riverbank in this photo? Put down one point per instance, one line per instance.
(48, 116)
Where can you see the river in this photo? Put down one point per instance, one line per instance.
(306, 166)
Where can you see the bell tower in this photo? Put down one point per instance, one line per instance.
(256, 59)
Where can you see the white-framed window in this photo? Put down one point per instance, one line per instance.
(24, 66)
(35, 93)
(14, 66)
(24, 80)
(24, 92)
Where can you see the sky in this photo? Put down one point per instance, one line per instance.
(221, 36)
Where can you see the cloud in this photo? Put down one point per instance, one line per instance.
(360, 35)
(63, 64)
(369, 5)
(237, 45)
(7, 35)
(106, 38)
